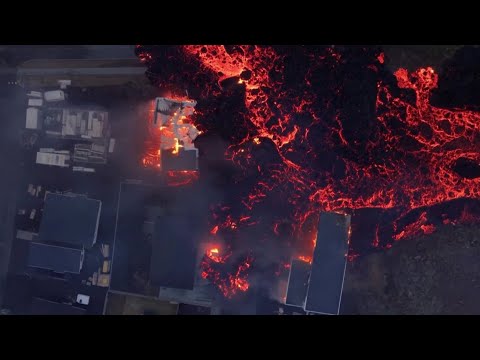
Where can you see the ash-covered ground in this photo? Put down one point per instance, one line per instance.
(431, 274)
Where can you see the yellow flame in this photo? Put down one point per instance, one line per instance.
(176, 147)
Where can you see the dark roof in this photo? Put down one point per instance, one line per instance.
(70, 219)
(173, 259)
(298, 283)
(56, 258)
(328, 265)
(184, 160)
(46, 307)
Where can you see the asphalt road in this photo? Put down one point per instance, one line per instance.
(82, 71)
(12, 104)
(16, 54)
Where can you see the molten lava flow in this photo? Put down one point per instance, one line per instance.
(181, 178)
(341, 136)
(213, 268)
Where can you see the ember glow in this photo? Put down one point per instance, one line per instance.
(307, 259)
(315, 129)
(214, 267)
(170, 132)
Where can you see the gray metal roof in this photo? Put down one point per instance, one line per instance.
(70, 219)
(47, 307)
(173, 259)
(298, 283)
(328, 265)
(183, 161)
(55, 258)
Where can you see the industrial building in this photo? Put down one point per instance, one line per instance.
(318, 287)
(47, 307)
(53, 157)
(177, 149)
(75, 123)
(58, 259)
(70, 219)
(173, 258)
(155, 254)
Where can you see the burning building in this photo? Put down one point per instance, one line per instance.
(158, 245)
(173, 136)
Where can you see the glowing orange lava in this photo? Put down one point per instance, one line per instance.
(404, 165)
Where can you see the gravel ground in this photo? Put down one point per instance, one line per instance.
(434, 274)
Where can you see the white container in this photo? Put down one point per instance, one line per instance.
(54, 95)
(35, 94)
(35, 102)
(33, 118)
(111, 145)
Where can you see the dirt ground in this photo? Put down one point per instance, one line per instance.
(119, 304)
(413, 57)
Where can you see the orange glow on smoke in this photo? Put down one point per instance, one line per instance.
(307, 259)
(181, 178)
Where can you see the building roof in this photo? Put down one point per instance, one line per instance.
(173, 258)
(184, 160)
(80, 122)
(328, 265)
(55, 258)
(46, 307)
(70, 219)
(298, 283)
(53, 158)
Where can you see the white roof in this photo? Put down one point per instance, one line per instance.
(83, 299)
(85, 123)
(53, 159)
(32, 121)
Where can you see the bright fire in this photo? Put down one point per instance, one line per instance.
(214, 266)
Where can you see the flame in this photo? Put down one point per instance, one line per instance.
(214, 230)
(177, 146)
(307, 259)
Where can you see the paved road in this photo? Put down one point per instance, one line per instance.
(82, 71)
(16, 54)
(12, 104)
